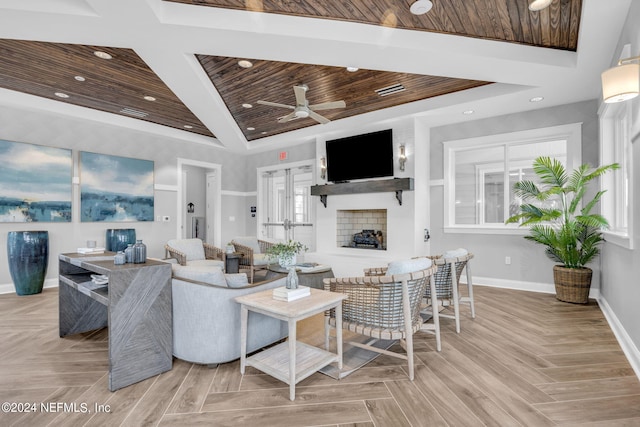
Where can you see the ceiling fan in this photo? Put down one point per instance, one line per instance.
(302, 109)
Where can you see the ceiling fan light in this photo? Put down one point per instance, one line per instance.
(621, 83)
(421, 7)
(301, 114)
(536, 5)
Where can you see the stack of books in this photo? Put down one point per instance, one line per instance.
(86, 251)
(284, 294)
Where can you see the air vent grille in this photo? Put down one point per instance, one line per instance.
(135, 113)
(389, 90)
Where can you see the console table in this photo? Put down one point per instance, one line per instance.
(135, 306)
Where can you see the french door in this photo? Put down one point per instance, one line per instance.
(285, 204)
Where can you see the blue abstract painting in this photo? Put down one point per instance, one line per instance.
(35, 182)
(115, 188)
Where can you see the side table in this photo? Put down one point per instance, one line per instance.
(232, 262)
(290, 361)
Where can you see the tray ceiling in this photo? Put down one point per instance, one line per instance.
(185, 53)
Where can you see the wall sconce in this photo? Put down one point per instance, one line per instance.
(323, 168)
(191, 208)
(622, 82)
(402, 158)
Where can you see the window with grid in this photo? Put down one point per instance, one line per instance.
(480, 173)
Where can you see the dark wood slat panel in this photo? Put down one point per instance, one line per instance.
(42, 69)
(273, 81)
(484, 19)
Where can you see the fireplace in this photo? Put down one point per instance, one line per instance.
(362, 229)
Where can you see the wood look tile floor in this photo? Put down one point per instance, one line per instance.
(526, 360)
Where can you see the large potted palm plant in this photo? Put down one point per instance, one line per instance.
(561, 220)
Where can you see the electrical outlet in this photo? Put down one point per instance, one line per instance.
(166, 218)
(507, 260)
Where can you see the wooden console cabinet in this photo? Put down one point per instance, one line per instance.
(135, 306)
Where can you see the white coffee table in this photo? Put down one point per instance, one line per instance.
(290, 361)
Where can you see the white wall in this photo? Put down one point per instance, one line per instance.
(621, 267)
(55, 130)
(529, 268)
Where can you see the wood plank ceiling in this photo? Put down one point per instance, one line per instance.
(119, 84)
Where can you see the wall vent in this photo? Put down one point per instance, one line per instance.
(389, 90)
(135, 113)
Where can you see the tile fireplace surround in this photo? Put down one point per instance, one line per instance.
(350, 222)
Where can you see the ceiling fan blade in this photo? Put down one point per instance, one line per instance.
(328, 105)
(301, 95)
(287, 118)
(275, 104)
(318, 118)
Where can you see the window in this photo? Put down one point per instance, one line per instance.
(480, 173)
(615, 147)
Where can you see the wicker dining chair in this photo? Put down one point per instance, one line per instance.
(383, 308)
(448, 284)
(194, 252)
(254, 254)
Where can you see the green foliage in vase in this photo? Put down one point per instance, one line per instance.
(286, 249)
(569, 231)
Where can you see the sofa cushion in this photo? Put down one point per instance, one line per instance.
(262, 259)
(455, 253)
(408, 266)
(206, 263)
(238, 280)
(204, 274)
(192, 248)
(250, 241)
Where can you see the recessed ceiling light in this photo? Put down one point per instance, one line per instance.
(421, 7)
(467, 112)
(79, 78)
(352, 69)
(263, 132)
(245, 64)
(251, 128)
(247, 105)
(536, 99)
(61, 95)
(102, 55)
(149, 98)
(188, 127)
(536, 5)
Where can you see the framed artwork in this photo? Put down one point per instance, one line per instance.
(35, 182)
(115, 189)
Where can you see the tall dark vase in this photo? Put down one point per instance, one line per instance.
(28, 253)
(117, 239)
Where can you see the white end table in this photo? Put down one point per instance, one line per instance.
(290, 361)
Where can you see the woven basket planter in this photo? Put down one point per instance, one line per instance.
(572, 284)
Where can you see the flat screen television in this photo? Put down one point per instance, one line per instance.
(362, 156)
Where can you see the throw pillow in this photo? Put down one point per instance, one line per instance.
(238, 280)
(408, 266)
(455, 253)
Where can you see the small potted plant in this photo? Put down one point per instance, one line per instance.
(286, 252)
(558, 220)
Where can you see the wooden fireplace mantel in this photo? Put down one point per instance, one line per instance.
(374, 186)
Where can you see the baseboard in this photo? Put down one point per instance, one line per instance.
(628, 347)
(8, 288)
(546, 288)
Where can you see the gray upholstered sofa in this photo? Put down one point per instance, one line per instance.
(206, 319)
